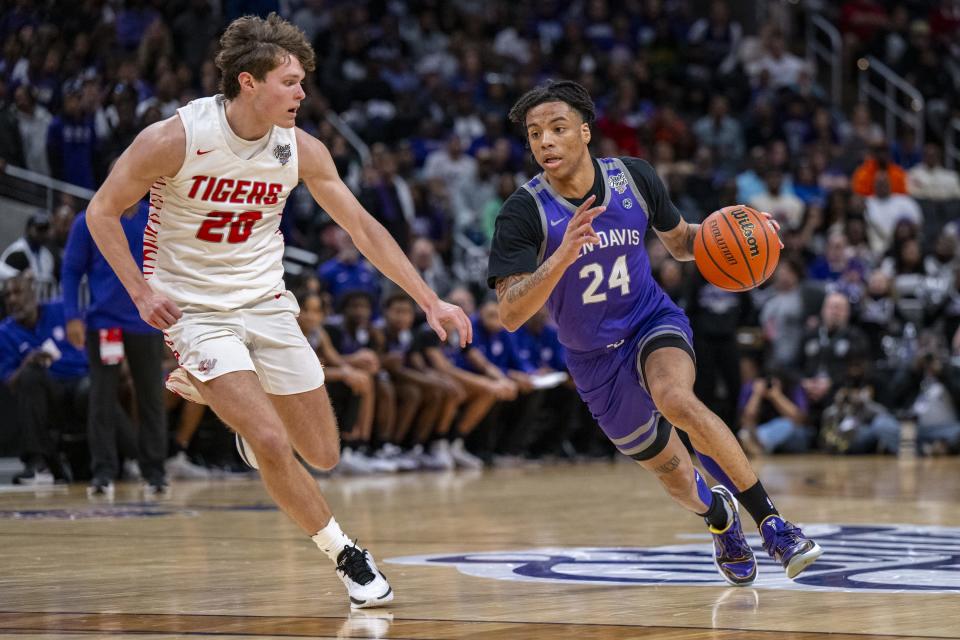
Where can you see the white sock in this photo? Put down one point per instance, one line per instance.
(331, 539)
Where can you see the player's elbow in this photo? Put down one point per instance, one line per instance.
(510, 320)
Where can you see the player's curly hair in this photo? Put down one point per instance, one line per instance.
(258, 46)
(573, 93)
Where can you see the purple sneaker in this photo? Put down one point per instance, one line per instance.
(731, 553)
(787, 545)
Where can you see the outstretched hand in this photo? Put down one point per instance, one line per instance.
(443, 316)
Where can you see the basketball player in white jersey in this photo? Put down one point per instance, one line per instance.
(218, 174)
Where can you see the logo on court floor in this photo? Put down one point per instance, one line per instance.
(866, 558)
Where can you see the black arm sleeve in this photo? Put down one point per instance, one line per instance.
(663, 213)
(517, 237)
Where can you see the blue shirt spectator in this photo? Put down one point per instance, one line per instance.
(340, 275)
(17, 341)
(498, 347)
(71, 143)
(539, 344)
(110, 305)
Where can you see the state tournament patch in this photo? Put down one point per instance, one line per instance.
(282, 153)
(618, 182)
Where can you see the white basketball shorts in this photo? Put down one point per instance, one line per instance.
(264, 338)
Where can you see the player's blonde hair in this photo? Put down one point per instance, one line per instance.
(258, 46)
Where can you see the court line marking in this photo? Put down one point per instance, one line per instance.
(595, 625)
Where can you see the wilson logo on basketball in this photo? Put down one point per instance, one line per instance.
(746, 228)
(866, 558)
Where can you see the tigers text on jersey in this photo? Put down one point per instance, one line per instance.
(609, 292)
(213, 241)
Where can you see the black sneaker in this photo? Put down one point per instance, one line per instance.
(366, 585)
(156, 489)
(100, 488)
(34, 476)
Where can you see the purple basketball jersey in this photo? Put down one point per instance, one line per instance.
(609, 293)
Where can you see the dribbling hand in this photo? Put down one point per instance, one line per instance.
(579, 231)
(774, 224)
(158, 311)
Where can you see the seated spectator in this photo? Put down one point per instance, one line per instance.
(351, 390)
(930, 386)
(47, 374)
(719, 131)
(779, 202)
(884, 209)
(782, 316)
(837, 261)
(353, 336)
(828, 351)
(428, 264)
(878, 162)
(447, 359)
(930, 180)
(439, 397)
(30, 251)
(855, 423)
(772, 413)
(783, 67)
(347, 270)
(877, 314)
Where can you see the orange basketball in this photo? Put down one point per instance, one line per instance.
(736, 248)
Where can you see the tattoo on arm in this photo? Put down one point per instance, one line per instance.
(669, 465)
(691, 237)
(513, 288)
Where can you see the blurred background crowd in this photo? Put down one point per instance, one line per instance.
(856, 332)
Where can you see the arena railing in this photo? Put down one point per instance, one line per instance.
(894, 94)
(37, 189)
(831, 55)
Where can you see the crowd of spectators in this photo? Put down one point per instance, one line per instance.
(857, 328)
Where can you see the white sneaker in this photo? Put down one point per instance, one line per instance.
(180, 383)
(462, 457)
(425, 460)
(353, 463)
(380, 465)
(179, 467)
(397, 456)
(440, 450)
(366, 584)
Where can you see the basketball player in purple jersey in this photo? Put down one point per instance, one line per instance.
(572, 238)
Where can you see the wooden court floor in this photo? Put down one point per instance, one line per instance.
(584, 551)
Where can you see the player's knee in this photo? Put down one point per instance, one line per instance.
(677, 404)
(324, 459)
(270, 444)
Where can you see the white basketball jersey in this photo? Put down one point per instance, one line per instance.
(213, 241)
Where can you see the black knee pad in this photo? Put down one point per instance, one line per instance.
(664, 428)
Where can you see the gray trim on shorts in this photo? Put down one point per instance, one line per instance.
(636, 432)
(543, 218)
(650, 439)
(659, 332)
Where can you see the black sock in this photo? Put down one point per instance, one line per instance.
(758, 503)
(716, 516)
